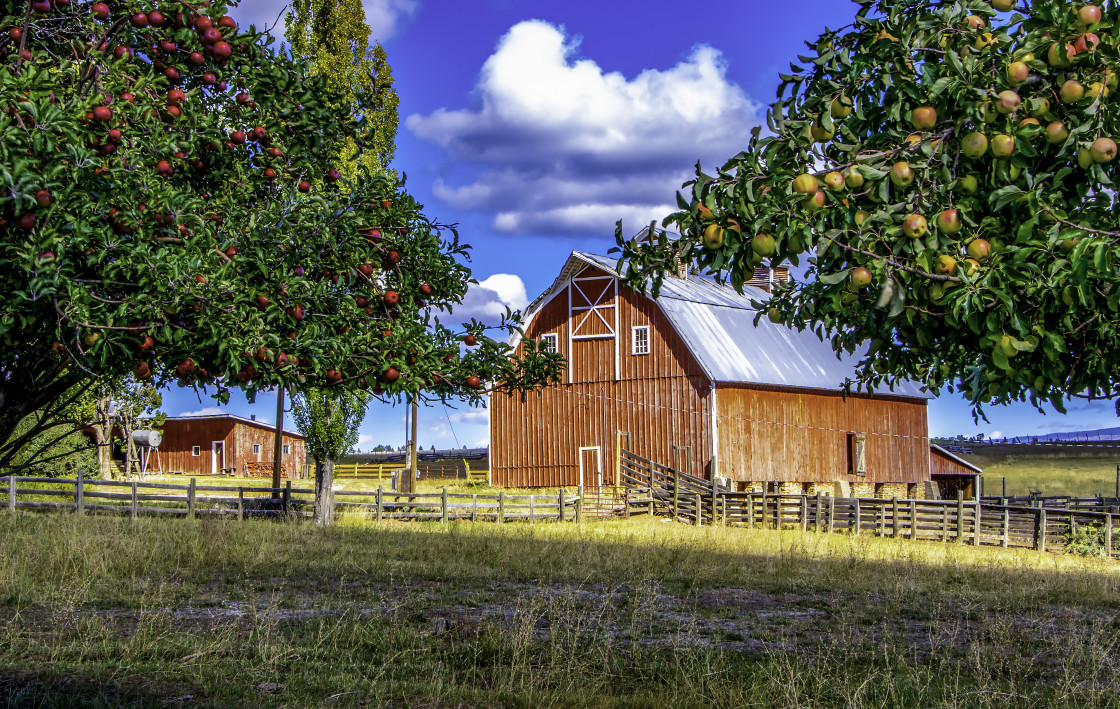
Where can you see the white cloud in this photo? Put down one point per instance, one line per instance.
(384, 17)
(487, 300)
(566, 147)
(996, 434)
(363, 439)
(206, 411)
(480, 417)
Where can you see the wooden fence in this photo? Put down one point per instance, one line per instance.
(1006, 523)
(83, 495)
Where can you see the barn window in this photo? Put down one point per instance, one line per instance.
(287, 449)
(196, 451)
(639, 340)
(256, 449)
(549, 342)
(857, 455)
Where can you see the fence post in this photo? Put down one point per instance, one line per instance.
(804, 513)
(240, 504)
(133, 509)
(288, 498)
(820, 512)
(78, 494)
(532, 508)
(11, 494)
(626, 503)
(651, 478)
(763, 506)
(894, 511)
(857, 516)
(881, 509)
(474, 507)
(501, 506)
(676, 494)
(560, 496)
(960, 515)
(579, 506)
(976, 538)
(1108, 535)
(1006, 526)
(913, 519)
(380, 502)
(1042, 528)
(750, 510)
(945, 523)
(715, 500)
(831, 513)
(443, 507)
(699, 509)
(190, 499)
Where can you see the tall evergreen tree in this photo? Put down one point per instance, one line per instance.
(332, 37)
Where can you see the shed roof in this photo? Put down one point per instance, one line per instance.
(934, 448)
(717, 324)
(237, 419)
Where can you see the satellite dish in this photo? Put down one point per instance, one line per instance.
(147, 438)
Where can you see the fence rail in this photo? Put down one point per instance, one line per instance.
(1036, 523)
(83, 495)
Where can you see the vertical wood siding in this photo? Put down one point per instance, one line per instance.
(768, 434)
(661, 399)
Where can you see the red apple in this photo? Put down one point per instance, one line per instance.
(102, 114)
(222, 50)
(425, 289)
(44, 198)
(207, 78)
(305, 186)
(390, 375)
(186, 367)
(296, 313)
(147, 343)
(156, 18)
(365, 269)
(237, 137)
(164, 168)
(139, 20)
(175, 97)
(115, 136)
(142, 370)
(100, 10)
(392, 297)
(262, 302)
(27, 221)
(470, 340)
(474, 382)
(333, 174)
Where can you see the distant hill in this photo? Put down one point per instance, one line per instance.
(1099, 434)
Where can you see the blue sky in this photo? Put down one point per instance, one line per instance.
(536, 124)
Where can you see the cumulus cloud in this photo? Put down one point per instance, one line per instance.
(480, 417)
(384, 17)
(562, 146)
(206, 411)
(487, 300)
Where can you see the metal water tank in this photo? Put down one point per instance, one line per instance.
(147, 438)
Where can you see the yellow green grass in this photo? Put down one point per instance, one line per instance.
(639, 613)
(1077, 476)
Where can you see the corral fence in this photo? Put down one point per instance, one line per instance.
(653, 489)
(83, 495)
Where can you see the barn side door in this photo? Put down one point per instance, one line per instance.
(591, 467)
(217, 456)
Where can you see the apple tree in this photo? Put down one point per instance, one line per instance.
(170, 208)
(943, 171)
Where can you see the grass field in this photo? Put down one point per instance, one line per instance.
(1079, 476)
(646, 613)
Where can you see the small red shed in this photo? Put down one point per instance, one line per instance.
(208, 445)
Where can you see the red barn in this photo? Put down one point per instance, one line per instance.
(207, 445)
(690, 379)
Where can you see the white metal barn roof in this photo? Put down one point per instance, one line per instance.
(717, 325)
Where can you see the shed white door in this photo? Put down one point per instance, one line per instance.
(217, 456)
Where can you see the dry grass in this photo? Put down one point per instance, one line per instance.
(644, 613)
(1077, 476)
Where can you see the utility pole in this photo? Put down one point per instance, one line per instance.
(409, 482)
(278, 443)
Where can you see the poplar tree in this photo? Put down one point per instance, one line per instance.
(333, 39)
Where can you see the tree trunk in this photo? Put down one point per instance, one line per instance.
(103, 431)
(324, 490)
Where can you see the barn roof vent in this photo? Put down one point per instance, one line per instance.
(767, 278)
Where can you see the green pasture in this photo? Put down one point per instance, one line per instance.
(1074, 475)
